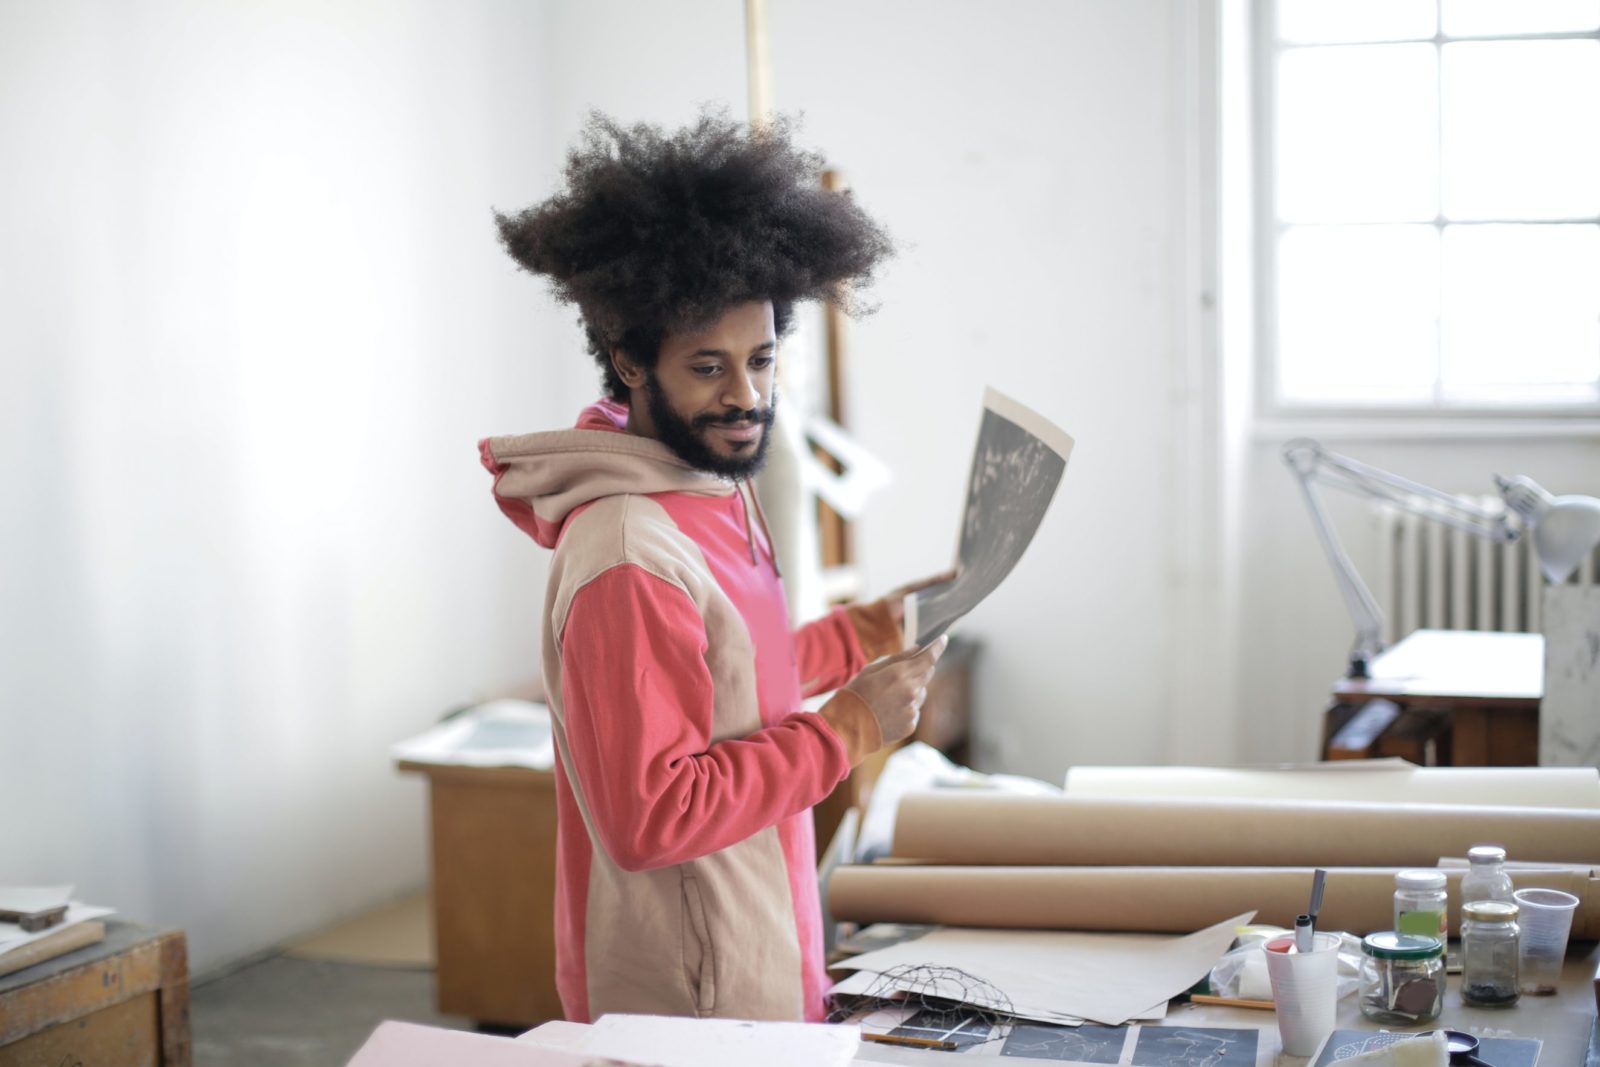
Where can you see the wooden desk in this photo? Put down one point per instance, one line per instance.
(1461, 697)
(493, 841)
(121, 1003)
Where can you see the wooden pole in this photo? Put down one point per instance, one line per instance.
(760, 66)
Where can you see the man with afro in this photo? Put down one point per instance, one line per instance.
(687, 768)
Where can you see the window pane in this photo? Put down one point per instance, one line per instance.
(1322, 21)
(1521, 306)
(1356, 134)
(1481, 18)
(1519, 130)
(1357, 312)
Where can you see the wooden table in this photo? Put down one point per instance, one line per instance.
(493, 841)
(1448, 697)
(121, 1003)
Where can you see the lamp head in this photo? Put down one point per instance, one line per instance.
(1565, 528)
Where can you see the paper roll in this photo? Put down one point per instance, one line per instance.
(1150, 899)
(953, 827)
(1369, 781)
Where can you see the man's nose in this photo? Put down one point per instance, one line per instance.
(742, 392)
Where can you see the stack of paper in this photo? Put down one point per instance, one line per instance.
(499, 733)
(396, 1044)
(1047, 976)
(661, 1041)
(19, 948)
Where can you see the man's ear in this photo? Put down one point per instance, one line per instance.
(631, 373)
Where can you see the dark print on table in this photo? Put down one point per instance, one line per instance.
(961, 1027)
(1075, 1044)
(1016, 467)
(1194, 1046)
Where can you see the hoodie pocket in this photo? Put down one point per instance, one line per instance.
(699, 954)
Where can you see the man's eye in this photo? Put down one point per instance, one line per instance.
(705, 370)
(761, 362)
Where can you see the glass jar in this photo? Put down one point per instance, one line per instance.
(1486, 878)
(1402, 977)
(1420, 904)
(1489, 937)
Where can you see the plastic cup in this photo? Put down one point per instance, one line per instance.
(1305, 990)
(1546, 919)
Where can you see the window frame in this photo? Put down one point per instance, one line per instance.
(1265, 49)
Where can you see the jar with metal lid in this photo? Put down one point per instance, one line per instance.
(1489, 937)
(1402, 977)
(1420, 904)
(1486, 877)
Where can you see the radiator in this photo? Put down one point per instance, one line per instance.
(1431, 576)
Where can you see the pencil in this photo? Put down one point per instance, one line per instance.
(1232, 1002)
(913, 1042)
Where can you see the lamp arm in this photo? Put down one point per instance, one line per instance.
(1353, 476)
(1313, 464)
(1358, 599)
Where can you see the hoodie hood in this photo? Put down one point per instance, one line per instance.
(540, 479)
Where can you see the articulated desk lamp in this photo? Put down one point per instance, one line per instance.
(1565, 528)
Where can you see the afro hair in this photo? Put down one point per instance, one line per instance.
(657, 233)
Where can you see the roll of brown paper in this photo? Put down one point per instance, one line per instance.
(989, 828)
(1388, 780)
(1150, 899)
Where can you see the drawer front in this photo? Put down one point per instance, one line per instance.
(124, 1035)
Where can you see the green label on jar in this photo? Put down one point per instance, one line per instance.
(1422, 923)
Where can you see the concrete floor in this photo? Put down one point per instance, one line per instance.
(286, 1012)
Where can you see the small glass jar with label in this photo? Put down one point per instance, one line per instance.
(1420, 904)
(1489, 941)
(1402, 978)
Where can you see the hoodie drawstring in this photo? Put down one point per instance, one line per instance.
(749, 494)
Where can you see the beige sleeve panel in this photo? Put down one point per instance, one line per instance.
(852, 719)
(875, 628)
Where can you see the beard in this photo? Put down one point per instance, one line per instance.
(688, 439)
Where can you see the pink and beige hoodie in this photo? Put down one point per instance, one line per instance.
(686, 863)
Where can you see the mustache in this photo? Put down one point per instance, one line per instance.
(735, 416)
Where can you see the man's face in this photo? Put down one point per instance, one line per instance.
(711, 396)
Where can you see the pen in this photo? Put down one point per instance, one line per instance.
(912, 1042)
(1305, 926)
(1232, 1002)
(1319, 879)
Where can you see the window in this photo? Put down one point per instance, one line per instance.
(1431, 210)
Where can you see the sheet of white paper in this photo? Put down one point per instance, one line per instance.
(13, 936)
(499, 733)
(669, 1042)
(30, 898)
(1048, 974)
(558, 1034)
(395, 1044)
(862, 982)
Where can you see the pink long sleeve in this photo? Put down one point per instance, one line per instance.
(833, 649)
(638, 714)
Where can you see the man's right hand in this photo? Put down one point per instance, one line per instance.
(895, 687)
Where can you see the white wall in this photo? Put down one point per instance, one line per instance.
(1025, 156)
(253, 320)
